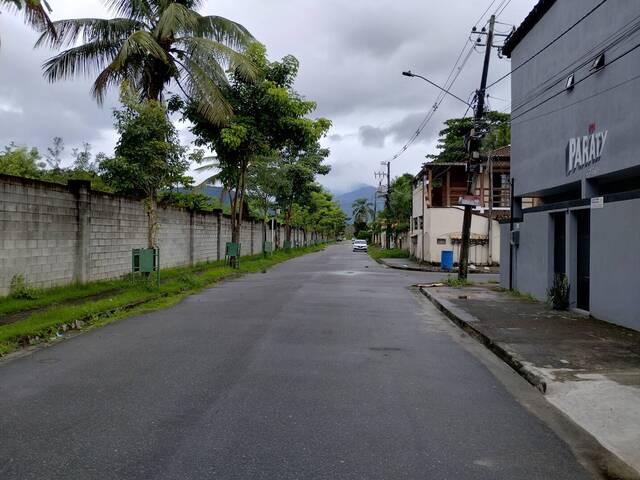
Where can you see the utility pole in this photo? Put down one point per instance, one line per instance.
(387, 206)
(387, 201)
(473, 162)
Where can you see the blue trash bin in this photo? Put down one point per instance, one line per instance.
(446, 260)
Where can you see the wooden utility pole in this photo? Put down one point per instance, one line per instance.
(474, 154)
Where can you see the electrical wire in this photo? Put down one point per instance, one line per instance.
(497, 14)
(455, 72)
(602, 2)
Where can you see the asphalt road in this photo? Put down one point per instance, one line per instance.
(326, 367)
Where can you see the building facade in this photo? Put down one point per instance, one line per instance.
(436, 223)
(575, 99)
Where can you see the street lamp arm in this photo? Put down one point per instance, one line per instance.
(411, 74)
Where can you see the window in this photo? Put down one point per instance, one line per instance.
(442, 241)
(421, 222)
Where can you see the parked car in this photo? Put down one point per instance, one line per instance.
(360, 246)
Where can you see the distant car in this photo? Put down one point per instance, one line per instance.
(360, 246)
(353, 240)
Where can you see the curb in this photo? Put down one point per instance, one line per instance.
(525, 372)
(425, 269)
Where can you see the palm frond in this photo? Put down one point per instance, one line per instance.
(84, 60)
(175, 19)
(127, 63)
(204, 50)
(36, 13)
(224, 31)
(139, 43)
(211, 102)
(68, 32)
(134, 9)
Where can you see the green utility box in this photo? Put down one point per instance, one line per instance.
(232, 254)
(144, 262)
(287, 244)
(267, 248)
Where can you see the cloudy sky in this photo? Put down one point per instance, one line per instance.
(352, 53)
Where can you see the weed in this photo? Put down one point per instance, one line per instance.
(19, 289)
(456, 282)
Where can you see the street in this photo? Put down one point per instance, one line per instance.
(326, 367)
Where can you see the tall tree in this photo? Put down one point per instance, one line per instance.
(495, 128)
(54, 153)
(362, 210)
(296, 180)
(148, 156)
(269, 122)
(149, 44)
(82, 158)
(36, 13)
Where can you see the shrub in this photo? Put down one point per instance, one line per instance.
(559, 292)
(19, 288)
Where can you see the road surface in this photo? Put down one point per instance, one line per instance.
(326, 367)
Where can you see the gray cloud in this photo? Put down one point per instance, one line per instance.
(372, 136)
(351, 53)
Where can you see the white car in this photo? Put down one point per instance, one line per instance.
(360, 246)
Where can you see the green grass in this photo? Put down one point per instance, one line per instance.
(377, 253)
(457, 282)
(129, 299)
(517, 294)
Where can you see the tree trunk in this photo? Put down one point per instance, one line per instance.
(152, 215)
(287, 223)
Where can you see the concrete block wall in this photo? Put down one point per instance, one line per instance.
(205, 241)
(118, 225)
(174, 237)
(56, 234)
(38, 232)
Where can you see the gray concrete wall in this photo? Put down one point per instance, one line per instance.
(615, 263)
(55, 234)
(504, 254)
(610, 99)
(532, 258)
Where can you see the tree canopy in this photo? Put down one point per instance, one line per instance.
(149, 44)
(495, 130)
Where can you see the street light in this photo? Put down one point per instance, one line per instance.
(409, 73)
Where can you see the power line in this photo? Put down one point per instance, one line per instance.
(502, 10)
(451, 79)
(602, 2)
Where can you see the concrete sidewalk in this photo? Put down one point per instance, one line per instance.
(410, 264)
(587, 368)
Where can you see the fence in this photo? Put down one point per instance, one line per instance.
(55, 234)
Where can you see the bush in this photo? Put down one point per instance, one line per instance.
(559, 292)
(19, 288)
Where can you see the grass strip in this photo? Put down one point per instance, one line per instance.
(43, 325)
(377, 253)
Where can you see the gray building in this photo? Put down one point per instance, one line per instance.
(575, 135)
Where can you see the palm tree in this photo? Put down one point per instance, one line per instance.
(149, 44)
(362, 210)
(36, 13)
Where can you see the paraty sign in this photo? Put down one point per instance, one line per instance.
(586, 150)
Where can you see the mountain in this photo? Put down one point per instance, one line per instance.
(366, 191)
